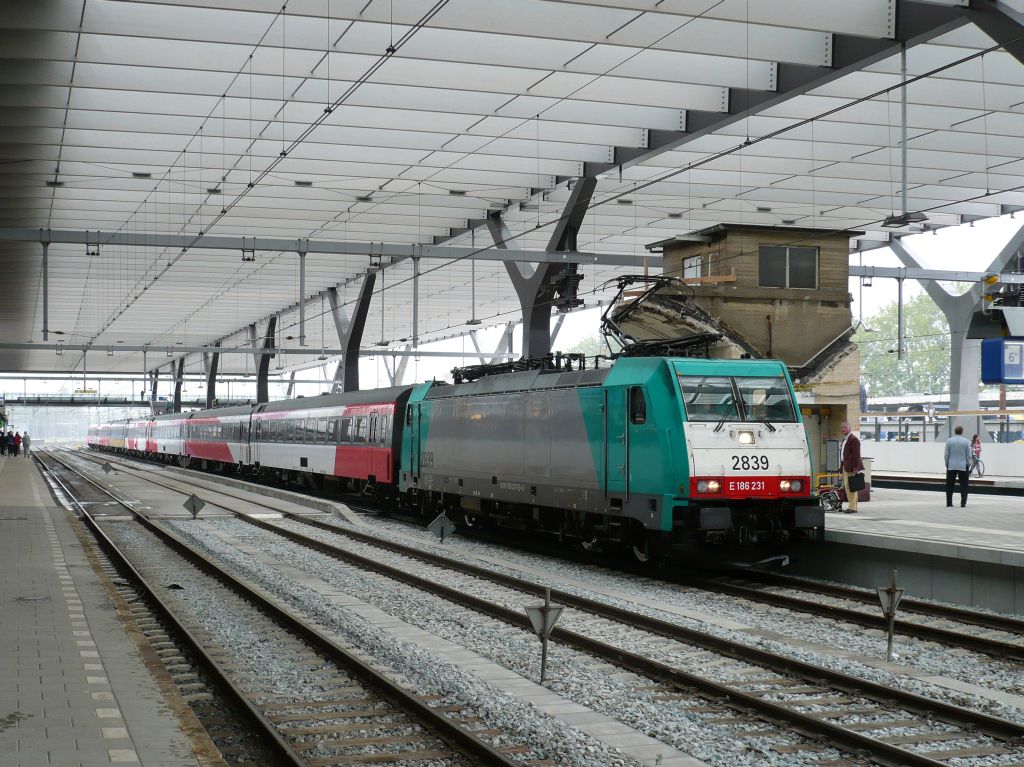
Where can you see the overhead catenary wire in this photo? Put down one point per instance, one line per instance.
(635, 187)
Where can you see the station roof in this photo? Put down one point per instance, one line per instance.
(395, 124)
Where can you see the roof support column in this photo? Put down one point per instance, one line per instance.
(291, 386)
(350, 333)
(154, 381)
(557, 328)
(263, 368)
(46, 291)
(536, 289)
(964, 353)
(476, 345)
(178, 378)
(211, 361)
(396, 371)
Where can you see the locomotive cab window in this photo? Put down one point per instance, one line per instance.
(708, 398)
(753, 399)
(766, 399)
(637, 405)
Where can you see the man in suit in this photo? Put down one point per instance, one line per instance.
(850, 462)
(958, 456)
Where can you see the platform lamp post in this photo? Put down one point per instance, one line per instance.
(543, 619)
(889, 597)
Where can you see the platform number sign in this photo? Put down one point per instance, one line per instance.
(1013, 360)
(1002, 360)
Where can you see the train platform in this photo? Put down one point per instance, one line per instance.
(76, 693)
(989, 484)
(971, 556)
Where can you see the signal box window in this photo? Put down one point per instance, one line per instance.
(691, 267)
(780, 266)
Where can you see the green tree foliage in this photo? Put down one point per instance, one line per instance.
(925, 367)
(589, 346)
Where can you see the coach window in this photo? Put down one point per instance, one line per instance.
(637, 405)
(359, 428)
(346, 429)
(373, 428)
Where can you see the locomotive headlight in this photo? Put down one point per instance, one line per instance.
(785, 485)
(708, 486)
(796, 486)
(745, 437)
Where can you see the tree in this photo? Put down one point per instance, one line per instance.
(925, 367)
(589, 346)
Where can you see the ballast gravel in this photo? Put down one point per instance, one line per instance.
(778, 626)
(424, 673)
(578, 677)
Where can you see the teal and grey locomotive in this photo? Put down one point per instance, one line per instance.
(649, 454)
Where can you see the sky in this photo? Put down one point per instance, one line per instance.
(965, 247)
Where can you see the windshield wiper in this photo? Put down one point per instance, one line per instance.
(767, 423)
(721, 422)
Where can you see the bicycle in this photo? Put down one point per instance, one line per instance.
(828, 497)
(976, 468)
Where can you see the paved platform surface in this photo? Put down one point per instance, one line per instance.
(74, 691)
(989, 481)
(990, 529)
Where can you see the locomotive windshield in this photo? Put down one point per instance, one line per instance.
(723, 398)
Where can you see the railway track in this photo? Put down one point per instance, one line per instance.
(315, 702)
(862, 717)
(998, 635)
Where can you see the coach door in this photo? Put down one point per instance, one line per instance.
(616, 447)
(413, 422)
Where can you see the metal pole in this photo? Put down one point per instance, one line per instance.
(544, 638)
(899, 319)
(891, 623)
(416, 302)
(46, 291)
(302, 298)
(903, 108)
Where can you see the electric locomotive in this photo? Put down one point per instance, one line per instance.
(650, 454)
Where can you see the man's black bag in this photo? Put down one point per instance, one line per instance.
(856, 482)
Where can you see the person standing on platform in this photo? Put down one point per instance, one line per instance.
(958, 458)
(851, 463)
(3, 442)
(26, 442)
(17, 442)
(10, 443)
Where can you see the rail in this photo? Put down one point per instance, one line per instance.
(821, 728)
(462, 740)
